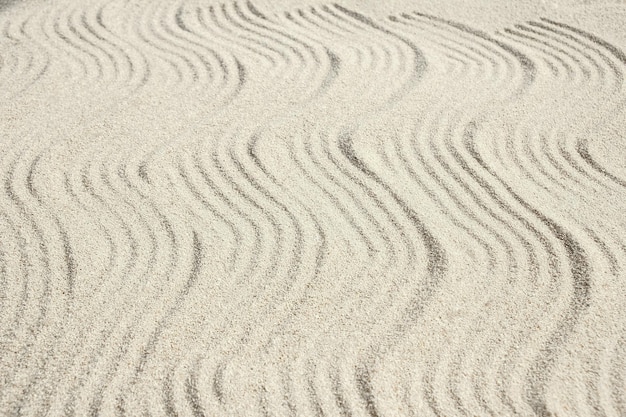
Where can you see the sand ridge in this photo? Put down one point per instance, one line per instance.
(309, 208)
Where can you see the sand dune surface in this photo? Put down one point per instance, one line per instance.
(302, 208)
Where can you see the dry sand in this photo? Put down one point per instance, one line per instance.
(301, 208)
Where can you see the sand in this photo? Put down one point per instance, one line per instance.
(303, 208)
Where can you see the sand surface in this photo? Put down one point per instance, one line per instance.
(300, 208)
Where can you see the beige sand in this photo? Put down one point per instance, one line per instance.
(302, 208)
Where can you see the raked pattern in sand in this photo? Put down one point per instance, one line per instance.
(248, 208)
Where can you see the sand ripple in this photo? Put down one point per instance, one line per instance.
(241, 208)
